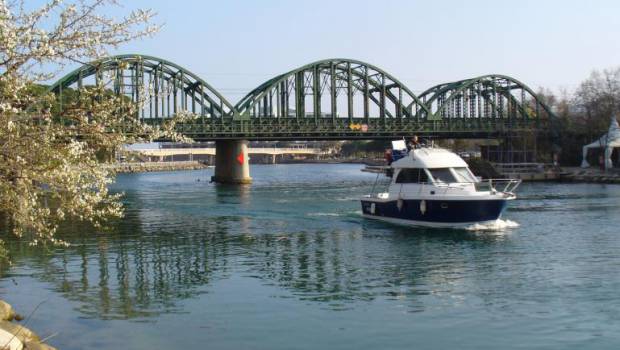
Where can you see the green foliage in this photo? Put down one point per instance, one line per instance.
(483, 168)
(363, 148)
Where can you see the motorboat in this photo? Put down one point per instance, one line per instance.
(434, 187)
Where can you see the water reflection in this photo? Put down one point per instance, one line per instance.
(140, 270)
(291, 256)
(180, 237)
(123, 276)
(233, 194)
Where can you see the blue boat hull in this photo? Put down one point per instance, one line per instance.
(442, 212)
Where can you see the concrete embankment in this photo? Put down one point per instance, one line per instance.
(14, 336)
(590, 176)
(367, 161)
(157, 166)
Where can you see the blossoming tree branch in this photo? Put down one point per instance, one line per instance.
(51, 165)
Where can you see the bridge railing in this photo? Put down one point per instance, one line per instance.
(310, 128)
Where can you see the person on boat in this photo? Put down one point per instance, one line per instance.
(388, 156)
(413, 143)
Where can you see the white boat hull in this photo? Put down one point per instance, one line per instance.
(429, 223)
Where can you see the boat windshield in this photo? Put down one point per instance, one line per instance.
(464, 175)
(452, 175)
(442, 175)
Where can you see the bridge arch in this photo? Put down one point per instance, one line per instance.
(161, 87)
(363, 89)
(489, 96)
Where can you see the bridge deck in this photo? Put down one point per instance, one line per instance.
(162, 152)
(345, 129)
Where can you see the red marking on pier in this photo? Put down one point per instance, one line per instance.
(240, 158)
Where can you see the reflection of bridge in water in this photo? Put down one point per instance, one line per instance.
(157, 257)
(329, 99)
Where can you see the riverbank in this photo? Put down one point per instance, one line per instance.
(566, 174)
(590, 175)
(14, 336)
(144, 167)
(367, 161)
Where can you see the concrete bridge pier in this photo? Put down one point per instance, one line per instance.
(231, 162)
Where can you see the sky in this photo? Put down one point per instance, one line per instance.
(235, 45)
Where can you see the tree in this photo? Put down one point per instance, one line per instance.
(49, 166)
(597, 98)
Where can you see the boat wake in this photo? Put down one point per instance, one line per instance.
(324, 214)
(497, 225)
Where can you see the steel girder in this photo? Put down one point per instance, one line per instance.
(340, 129)
(161, 87)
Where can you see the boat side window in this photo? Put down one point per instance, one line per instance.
(423, 177)
(442, 175)
(411, 176)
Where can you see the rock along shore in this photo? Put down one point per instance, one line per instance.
(14, 336)
(156, 166)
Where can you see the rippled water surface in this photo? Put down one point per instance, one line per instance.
(289, 263)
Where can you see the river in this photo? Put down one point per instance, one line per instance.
(289, 263)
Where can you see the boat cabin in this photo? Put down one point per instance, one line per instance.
(432, 165)
(430, 172)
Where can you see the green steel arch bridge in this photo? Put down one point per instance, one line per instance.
(328, 99)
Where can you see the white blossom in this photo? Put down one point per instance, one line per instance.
(50, 171)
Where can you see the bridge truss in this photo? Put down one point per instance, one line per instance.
(487, 99)
(328, 99)
(159, 87)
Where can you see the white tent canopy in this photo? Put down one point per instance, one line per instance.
(609, 141)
